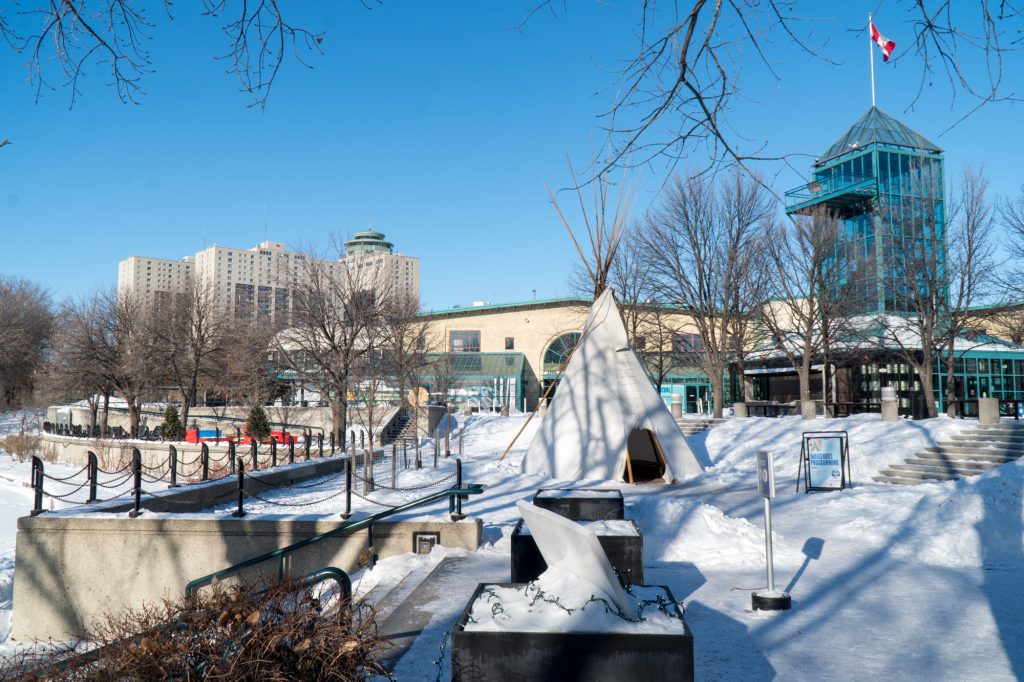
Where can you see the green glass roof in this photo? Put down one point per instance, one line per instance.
(474, 365)
(876, 126)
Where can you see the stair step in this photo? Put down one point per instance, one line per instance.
(986, 454)
(933, 476)
(896, 480)
(980, 438)
(954, 471)
(958, 463)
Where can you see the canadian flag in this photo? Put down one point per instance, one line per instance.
(887, 45)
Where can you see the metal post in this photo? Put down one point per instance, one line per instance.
(418, 462)
(173, 457)
(137, 471)
(204, 456)
(332, 441)
(394, 465)
(37, 486)
(305, 444)
(255, 448)
(241, 488)
(405, 455)
(94, 470)
(291, 450)
(320, 445)
(768, 543)
(447, 432)
(273, 451)
(455, 501)
(348, 490)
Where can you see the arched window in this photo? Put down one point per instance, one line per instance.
(558, 351)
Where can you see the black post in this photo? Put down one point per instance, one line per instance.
(455, 501)
(305, 444)
(37, 486)
(273, 452)
(204, 456)
(291, 450)
(94, 470)
(332, 441)
(255, 448)
(320, 444)
(137, 472)
(405, 455)
(173, 458)
(394, 465)
(241, 488)
(348, 490)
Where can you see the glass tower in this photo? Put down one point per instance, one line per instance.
(885, 185)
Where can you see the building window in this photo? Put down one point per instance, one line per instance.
(687, 343)
(510, 343)
(557, 354)
(464, 342)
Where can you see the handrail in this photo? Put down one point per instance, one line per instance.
(351, 527)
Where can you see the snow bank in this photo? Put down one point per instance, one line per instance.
(704, 535)
(874, 444)
(976, 521)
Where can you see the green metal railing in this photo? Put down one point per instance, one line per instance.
(455, 494)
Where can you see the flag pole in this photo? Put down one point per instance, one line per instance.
(871, 57)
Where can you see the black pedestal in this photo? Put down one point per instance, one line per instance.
(582, 504)
(771, 601)
(625, 553)
(569, 656)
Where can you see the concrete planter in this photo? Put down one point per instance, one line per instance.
(624, 547)
(568, 656)
(582, 504)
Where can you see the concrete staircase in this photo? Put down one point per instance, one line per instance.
(973, 451)
(691, 427)
(400, 430)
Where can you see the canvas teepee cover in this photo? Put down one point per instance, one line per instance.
(605, 407)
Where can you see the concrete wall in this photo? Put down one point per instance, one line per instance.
(71, 569)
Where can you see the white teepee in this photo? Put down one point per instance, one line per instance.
(606, 421)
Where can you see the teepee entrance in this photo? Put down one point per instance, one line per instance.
(645, 461)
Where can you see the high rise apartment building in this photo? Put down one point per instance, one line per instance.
(260, 284)
(372, 260)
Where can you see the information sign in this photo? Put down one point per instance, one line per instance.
(765, 474)
(824, 461)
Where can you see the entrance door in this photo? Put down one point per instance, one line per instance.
(696, 399)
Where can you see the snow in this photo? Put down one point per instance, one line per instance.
(888, 582)
(612, 527)
(574, 493)
(559, 602)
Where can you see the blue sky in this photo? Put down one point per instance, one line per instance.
(438, 126)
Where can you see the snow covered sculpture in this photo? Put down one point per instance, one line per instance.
(606, 421)
(572, 548)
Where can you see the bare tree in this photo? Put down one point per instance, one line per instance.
(75, 35)
(813, 293)
(969, 269)
(26, 323)
(107, 345)
(334, 309)
(702, 243)
(674, 96)
(190, 336)
(940, 259)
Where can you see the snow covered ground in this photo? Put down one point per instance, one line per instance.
(893, 582)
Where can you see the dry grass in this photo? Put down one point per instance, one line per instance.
(21, 446)
(225, 633)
